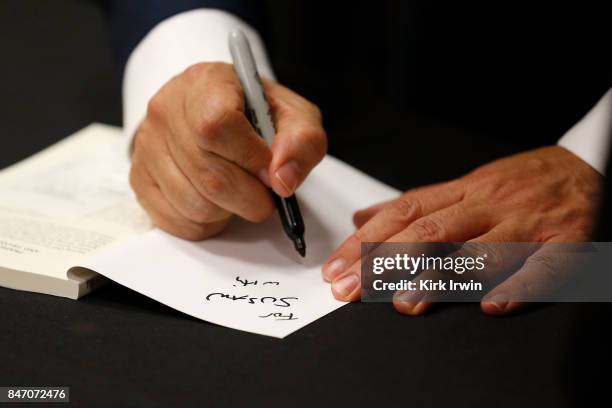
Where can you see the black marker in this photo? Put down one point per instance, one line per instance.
(258, 112)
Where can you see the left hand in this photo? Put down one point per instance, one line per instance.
(544, 195)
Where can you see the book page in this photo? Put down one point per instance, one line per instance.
(67, 202)
(250, 277)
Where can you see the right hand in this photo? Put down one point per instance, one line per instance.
(197, 160)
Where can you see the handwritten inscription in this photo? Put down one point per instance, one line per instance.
(284, 301)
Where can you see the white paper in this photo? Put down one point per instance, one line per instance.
(67, 202)
(250, 277)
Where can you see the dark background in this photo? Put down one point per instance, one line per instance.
(412, 92)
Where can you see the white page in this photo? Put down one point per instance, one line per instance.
(184, 274)
(66, 202)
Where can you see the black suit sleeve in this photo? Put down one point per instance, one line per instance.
(131, 20)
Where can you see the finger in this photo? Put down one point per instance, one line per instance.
(417, 302)
(456, 223)
(300, 142)
(389, 221)
(362, 216)
(174, 185)
(230, 187)
(224, 183)
(501, 257)
(219, 180)
(543, 272)
(214, 112)
(506, 247)
(163, 214)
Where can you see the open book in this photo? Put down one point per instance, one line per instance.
(63, 205)
(69, 211)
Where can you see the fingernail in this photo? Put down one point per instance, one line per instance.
(408, 296)
(411, 301)
(288, 175)
(334, 268)
(499, 301)
(263, 176)
(419, 308)
(346, 285)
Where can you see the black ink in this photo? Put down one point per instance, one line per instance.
(280, 316)
(245, 282)
(284, 300)
(213, 294)
(263, 299)
(225, 295)
(279, 302)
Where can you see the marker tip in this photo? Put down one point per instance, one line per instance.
(300, 246)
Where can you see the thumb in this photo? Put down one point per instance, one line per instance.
(300, 142)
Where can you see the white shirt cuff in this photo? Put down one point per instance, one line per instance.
(174, 44)
(589, 139)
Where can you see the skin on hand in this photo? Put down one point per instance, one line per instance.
(544, 195)
(197, 160)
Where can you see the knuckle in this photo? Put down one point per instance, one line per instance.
(355, 240)
(207, 135)
(536, 165)
(526, 289)
(495, 257)
(214, 183)
(217, 68)
(200, 70)
(222, 92)
(223, 106)
(226, 96)
(200, 210)
(156, 106)
(195, 71)
(428, 229)
(481, 183)
(317, 139)
(406, 207)
(546, 264)
(211, 124)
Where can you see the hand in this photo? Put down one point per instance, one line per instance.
(544, 195)
(197, 160)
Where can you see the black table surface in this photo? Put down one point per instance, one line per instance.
(116, 347)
